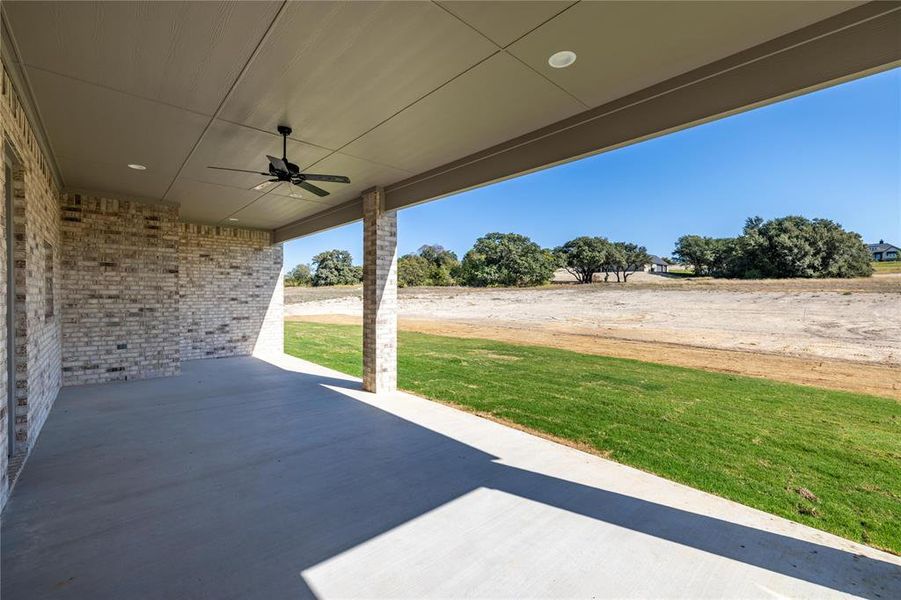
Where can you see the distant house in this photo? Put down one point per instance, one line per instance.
(657, 265)
(883, 251)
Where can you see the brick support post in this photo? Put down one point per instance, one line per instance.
(379, 294)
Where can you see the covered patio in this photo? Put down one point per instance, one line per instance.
(303, 485)
(159, 444)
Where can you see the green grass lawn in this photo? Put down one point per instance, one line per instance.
(680, 271)
(893, 266)
(754, 441)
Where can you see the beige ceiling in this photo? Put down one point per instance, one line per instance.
(377, 91)
(628, 50)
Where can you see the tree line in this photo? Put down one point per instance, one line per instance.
(496, 259)
(780, 248)
(785, 247)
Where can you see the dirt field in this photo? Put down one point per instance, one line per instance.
(841, 334)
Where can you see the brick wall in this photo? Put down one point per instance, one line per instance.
(36, 225)
(230, 292)
(119, 289)
(110, 289)
(141, 291)
(4, 439)
(42, 328)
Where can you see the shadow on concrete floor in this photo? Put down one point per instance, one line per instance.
(232, 479)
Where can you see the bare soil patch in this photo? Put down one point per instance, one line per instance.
(838, 334)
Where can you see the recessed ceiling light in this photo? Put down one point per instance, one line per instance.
(137, 167)
(562, 59)
(262, 186)
(295, 195)
(232, 219)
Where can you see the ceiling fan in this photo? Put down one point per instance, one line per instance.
(283, 171)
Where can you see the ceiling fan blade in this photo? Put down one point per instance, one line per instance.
(239, 170)
(330, 178)
(278, 164)
(311, 188)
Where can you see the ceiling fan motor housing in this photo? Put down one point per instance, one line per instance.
(285, 175)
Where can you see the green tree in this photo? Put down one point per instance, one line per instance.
(795, 246)
(585, 256)
(625, 258)
(790, 246)
(299, 275)
(335, 267)
(444, 265)
(412, 270)
(437, 255)
(697, 251)
(445, 276)
(430, 265)
(507, 259)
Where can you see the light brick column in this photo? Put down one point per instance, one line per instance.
(379, 294)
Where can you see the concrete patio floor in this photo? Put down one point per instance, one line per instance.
(243, 478)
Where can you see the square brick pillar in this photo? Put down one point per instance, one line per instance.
(379, 294)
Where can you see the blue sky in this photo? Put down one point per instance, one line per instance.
(835, 154)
